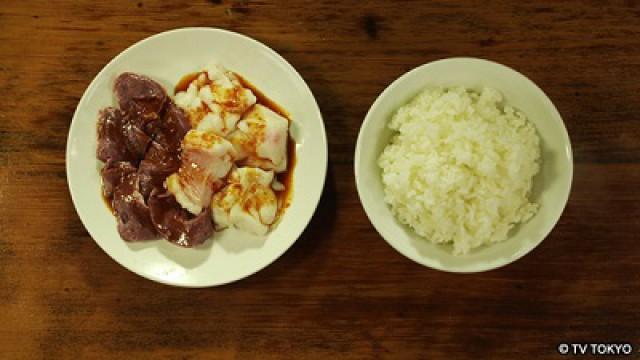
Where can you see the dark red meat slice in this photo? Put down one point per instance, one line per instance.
(171, 129)
(162, 157)
(112, 144)
(139, 96)
(137, 140)
(140, 143)
(134, 218)
(119, 139)
(176, 224)
(113, 174)
(158, 163)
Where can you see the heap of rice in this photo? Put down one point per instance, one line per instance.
(459, 169)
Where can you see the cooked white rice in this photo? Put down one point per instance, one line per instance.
(460, 167)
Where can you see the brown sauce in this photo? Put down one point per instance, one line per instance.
(286, 177)
(263, 99)
(183, 84)
(107, 201)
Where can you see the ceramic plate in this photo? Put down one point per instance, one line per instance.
(230, 255)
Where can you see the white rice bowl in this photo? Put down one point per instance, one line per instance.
(460, 168)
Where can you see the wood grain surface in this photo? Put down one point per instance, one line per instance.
(340, 291)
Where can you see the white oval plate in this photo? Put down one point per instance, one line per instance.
(551, 186)
(231, 255)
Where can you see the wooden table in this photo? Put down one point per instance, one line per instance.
(340, 291)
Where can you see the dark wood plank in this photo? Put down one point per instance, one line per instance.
(341, 291)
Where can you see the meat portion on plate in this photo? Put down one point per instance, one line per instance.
(261, 139)
(215, 100)
(163, 154)
(248, 202)
(171, 128)
(158, 163)
(125, 133)
(113, 174)
(140, 97)
(118, 138)
(176, 224)
(134, 219)
(206, 160)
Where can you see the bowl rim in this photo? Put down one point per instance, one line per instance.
(317, 195)
(368, 119)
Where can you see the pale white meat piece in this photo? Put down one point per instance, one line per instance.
(206, 159)
(261, 139)
(215, 100)
(247, 203)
